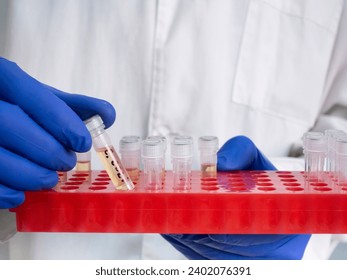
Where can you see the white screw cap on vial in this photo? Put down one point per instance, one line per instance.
(95, 125)
(130, 143)
(182, 148)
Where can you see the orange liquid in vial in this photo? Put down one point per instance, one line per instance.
(134, 173)
(83, 166)
(208, 170)
(114, 168)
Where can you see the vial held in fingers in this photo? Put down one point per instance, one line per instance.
(107, 154)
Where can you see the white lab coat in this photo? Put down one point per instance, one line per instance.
(270, 69)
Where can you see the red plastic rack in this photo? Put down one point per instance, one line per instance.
(234, 202)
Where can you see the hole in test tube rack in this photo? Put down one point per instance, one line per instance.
(264, 184)
(97, 188)
(286, 176)
(283, 172)
(319, 184)
(289, 180)
(210, 188)
(292, 184)
(208, 179)
(99, 183)
(266, 189)
(257, 172)
(77, 179)
(103, 179)
(294, 189)
(80, 175)
(209, 183)
(323, 189)
(73, 183)
(103, 175)
(69, 188)
(237, 184)
(263, 180)
(234, 175)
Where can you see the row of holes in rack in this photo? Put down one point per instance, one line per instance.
(235, 181)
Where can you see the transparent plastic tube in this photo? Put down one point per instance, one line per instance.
(107, 154)
(83, 162)
(181, 156)
(331, 136)
(208, 147)
(314, 146)
(152, 153)
(130, 151)
(341, 160)
(164, 145)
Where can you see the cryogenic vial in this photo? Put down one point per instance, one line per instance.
(341, 160)
(164, 140)
(330, 163)
(181, 156)
(152, 152)
(130, 151)
(208, 147)
(314, 148)
(83, 162)
(107, 154)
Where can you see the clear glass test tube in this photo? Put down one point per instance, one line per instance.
(181, 157)
(314, 147)
(152, 157)
(107, 154)
(341, 160)
(208, 147)
(130, 151)
(83, 162)
(330, 163)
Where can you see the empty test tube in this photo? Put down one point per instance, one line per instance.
(330, 163)
(152, 153)
(164, 143)
(107, 154)
(83, 162)
(181, 156)
(208, 147)
(341, 160)
(130, 151)
(314, 147)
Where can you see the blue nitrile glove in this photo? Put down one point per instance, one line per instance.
(240, 153)
(40, 128)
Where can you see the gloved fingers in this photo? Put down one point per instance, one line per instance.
(46, 109)
(246, 239)
(10, 198)
(21, 174)
(288, 247)
(24, 137)
(86, 106)
(240, 153)
(196, 251)
(186, 251)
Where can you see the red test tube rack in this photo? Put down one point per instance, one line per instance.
(239, 202)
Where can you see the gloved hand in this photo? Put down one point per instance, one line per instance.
(40, 129)
(240, 153)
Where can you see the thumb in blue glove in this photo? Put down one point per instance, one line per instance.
(39, 132)
(240, 153)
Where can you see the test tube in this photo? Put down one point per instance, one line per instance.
(152, 153)
(331, 137)
(314, 147)
(83, 162)
(130, 151)
(164, 143)
(181, 156)
(208, 147)
(107, 154)
(341, 160)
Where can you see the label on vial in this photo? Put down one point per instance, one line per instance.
(113, 166)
